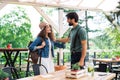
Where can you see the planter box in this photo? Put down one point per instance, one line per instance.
(117, 57)
(60, 67)
(75, 74)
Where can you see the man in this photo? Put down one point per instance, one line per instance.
(77, 38)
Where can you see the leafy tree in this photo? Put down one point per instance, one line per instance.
(114, 31)
(114, 35)
(15, 28)
(102, 41)
(114, 17)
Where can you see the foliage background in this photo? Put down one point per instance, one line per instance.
(15, 29)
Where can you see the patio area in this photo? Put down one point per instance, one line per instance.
(19, 21)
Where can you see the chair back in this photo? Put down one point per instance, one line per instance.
(12, 72)
(36, 68)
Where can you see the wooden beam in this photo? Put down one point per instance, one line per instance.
(100, 3)
(60, 21)
(2, 5)
(39, 4)
(9, 0)
(79, 3)
(46, 17)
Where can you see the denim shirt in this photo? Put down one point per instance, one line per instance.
(44, 52)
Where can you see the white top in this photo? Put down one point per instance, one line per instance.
(47, 62)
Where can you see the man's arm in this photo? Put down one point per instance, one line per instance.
(84, 50)
(64, 40)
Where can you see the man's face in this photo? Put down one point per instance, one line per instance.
(70, 22)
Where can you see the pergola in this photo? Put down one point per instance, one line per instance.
(84, 5)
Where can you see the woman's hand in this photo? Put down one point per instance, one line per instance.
(41, 46)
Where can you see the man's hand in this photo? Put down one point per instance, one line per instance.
(81, 62)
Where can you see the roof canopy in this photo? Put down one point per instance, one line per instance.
(91, 5)
(105, 5)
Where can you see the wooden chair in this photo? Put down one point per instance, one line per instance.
(13, 73)
(28, 64)
(117, 72)
(35, 67)
(28, 60)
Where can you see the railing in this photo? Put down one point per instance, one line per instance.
(91, 52)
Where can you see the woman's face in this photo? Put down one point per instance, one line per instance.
(48, 29)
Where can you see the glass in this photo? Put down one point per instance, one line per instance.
(90, 67)
(91, 70)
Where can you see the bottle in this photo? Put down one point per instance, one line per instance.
(107, 70)
(91, 67)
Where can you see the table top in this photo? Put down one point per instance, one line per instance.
(107, 60)
(60, 75)
(13, 49)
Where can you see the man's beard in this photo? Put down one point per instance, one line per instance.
(70, 24)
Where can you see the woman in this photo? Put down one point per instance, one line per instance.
(46, 41)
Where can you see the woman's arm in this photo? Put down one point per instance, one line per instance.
(41, 46)
(34, 45)
(64, 40)
(59, 44)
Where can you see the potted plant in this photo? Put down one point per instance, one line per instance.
(60, 67)
(116, 54)
(4, 75)
(75, 72)
(75, 67)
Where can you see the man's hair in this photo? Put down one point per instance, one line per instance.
(73, 15)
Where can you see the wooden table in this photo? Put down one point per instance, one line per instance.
(60, 75)
(10, 61)
(8, 55)
(109, 62)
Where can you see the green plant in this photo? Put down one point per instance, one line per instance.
(116, 53)
(3, 75)
(75, 66)
(16, 26)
